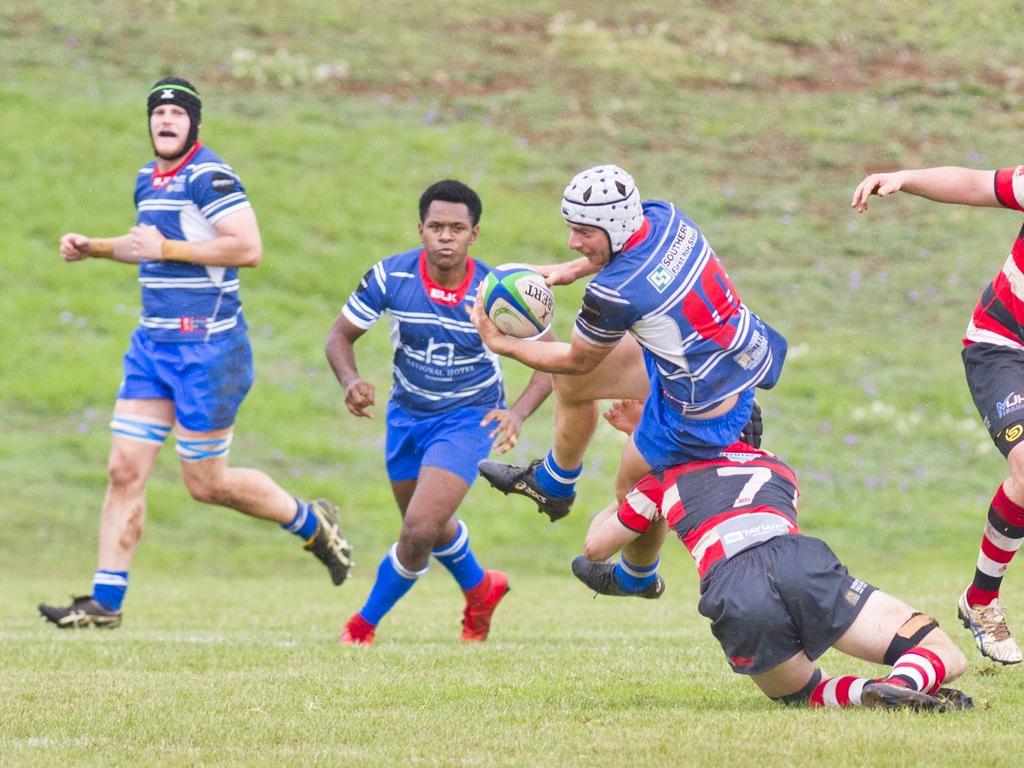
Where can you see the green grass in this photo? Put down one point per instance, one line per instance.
(755, 118)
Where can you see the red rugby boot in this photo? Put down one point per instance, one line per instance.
(481, 601)
(358, 631)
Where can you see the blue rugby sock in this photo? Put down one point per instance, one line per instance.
(393, 581)
(108, 588)
(304, 523)
(555, 480)
(459, 559)
(634, 578)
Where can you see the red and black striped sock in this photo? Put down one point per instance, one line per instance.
(1003, 535)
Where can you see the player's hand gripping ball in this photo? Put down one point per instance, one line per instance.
(518, 301)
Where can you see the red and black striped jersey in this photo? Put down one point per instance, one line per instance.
(999, 316)
(718, 507)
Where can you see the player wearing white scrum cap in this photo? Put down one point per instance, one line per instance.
(661, 322)
(605, 197)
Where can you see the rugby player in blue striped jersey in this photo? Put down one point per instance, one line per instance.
(189, 363)
(661, 322)
(447, 406)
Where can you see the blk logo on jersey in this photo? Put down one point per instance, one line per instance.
(441, 296)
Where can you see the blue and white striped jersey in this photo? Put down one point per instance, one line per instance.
(182, 301)
(668, 289)
(440, 363)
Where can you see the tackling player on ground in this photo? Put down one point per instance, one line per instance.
(661, 322)
(777, 599)
(446, 407)
(993, 356)
(189, 364)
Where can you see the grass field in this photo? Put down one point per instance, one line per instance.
(757, 119)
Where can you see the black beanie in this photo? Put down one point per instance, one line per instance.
(174, 90)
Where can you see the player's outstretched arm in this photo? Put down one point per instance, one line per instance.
(76, 247)
(340, 351)
(949, 184)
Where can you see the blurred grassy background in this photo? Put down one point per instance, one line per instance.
(758, 119)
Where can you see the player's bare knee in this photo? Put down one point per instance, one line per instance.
(419, 533)
(209, 489)
(124, 472)
(942, 645)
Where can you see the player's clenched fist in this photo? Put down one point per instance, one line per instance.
(74, 247)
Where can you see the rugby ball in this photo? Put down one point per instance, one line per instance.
(518, 301)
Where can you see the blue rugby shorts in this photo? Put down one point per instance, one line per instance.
(665, 437)
(453, 441)
(206, 380)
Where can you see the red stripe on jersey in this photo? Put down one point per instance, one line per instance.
(994, 553)
(983, 321)
(716, 551)
(639, 236)
(440, 294)
(159, 179)
(652, 491)
(632, 520)
(712, 555)
(764, 459)
(1004, 187)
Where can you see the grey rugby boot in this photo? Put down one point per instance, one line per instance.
(598, 576)
(881, 694)
(508, 478)
(83, 612)
(329, 543)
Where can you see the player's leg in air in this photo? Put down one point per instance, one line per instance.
(432, 462)
(139, 428)
(209, 478)
(993, 376)
(887, 631)
(210, 384)
(551, 481)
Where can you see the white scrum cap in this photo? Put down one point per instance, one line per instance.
(606, 197)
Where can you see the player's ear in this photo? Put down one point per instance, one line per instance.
(475, 233)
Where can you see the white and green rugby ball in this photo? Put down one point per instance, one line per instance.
(518, 300)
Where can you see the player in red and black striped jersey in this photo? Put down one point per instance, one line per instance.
(777, 599)
(993, 356)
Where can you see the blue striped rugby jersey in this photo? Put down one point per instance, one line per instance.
(668, 289)
(440, 363)
(182, 301)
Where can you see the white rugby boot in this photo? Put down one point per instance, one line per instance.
(992, 636)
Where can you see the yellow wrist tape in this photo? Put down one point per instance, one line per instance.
(175, 250)
(101, 247)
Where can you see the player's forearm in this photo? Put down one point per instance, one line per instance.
(342, 358)
(223, 251)
(535, 393)
(963, 186)
(606, 535)
(113, 248)
(544, 356)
